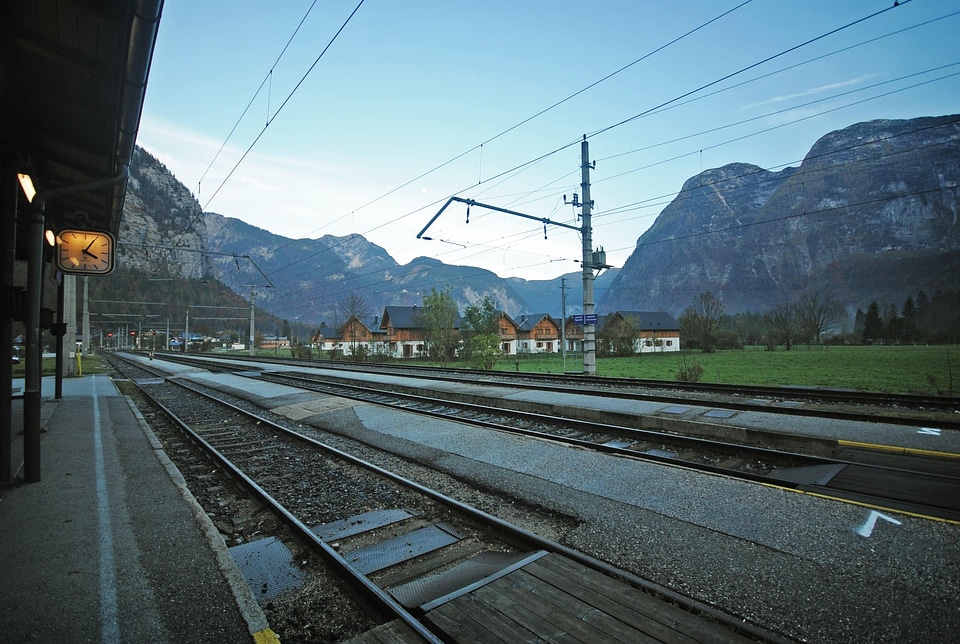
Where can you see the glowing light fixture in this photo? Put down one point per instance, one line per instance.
(26, 183)
(51, 237)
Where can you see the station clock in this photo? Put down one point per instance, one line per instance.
(85, 252)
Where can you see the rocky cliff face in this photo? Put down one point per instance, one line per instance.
(871, 213)
(159, 214)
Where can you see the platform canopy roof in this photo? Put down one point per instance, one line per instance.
(73, 76)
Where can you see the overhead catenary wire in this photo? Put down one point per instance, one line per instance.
(413, 212)
(267, 79)
(597, 132)
(530, 233)
(526, 120)
(747, 68)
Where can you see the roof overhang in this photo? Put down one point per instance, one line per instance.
(73, 76)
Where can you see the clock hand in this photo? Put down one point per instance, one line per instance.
(88, 253)
(87, 249)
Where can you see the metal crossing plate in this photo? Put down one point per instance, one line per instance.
(406, 546)
(268, 567)
(809, 474)
(359, 523)
(721, 413)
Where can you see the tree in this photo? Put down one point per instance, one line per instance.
(438, 319)
(816, 311)
(618, 336)
(784, 324)
(749, 326)
(701, 321)
(909, 316)
(892, 323)
(480, 334)
(353, 306)
(354, 309)
(872, 324)
(924, 317)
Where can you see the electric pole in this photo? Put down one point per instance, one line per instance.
(253, 293)
(563, 321)
(589, 312)
(591, 260)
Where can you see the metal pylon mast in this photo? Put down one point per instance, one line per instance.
(591, 260)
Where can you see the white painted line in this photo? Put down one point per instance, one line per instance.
(867, 528)
(930, 431)
(109, 621)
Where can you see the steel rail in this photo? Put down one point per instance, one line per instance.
(790, 459)
(615, 388)
(510, 533)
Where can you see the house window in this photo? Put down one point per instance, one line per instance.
(669, 343)
(649, 343)
(539, 345)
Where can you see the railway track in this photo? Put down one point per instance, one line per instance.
(913, 410)
(919, 484)
(415, 556)
(923, 484)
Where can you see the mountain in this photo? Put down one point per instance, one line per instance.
(545, 295)
(159, 215)
(313, 279)
(870, 214)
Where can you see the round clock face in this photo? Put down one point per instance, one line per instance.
(87, 252)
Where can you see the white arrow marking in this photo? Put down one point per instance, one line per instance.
(867, 528)
(929, 430)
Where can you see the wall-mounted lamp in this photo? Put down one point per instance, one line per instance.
(50, 236)
(26, 184)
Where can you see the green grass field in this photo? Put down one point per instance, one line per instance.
(896, 369)
(900, 369)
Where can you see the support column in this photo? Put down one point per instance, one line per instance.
(9, 193)
(32, 376)
(589, 330)
(253, 292)
(86, 316)
(70, 318)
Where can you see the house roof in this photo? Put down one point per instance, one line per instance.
(406, 317)
(648, 320)
(370, 322)
(400, 317)
(529, 321)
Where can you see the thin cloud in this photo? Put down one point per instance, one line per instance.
(813, 91)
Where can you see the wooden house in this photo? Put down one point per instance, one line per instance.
(538, 333)
(404, 333)
(645, 331)
(509, 333)
(363, 336)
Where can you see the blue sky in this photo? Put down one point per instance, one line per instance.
(410, 86)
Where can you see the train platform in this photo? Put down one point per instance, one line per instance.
(110, 546)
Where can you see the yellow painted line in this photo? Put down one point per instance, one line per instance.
(899, 450)
(861, 504)
(266, 636)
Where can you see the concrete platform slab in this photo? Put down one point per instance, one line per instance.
(110, 546)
